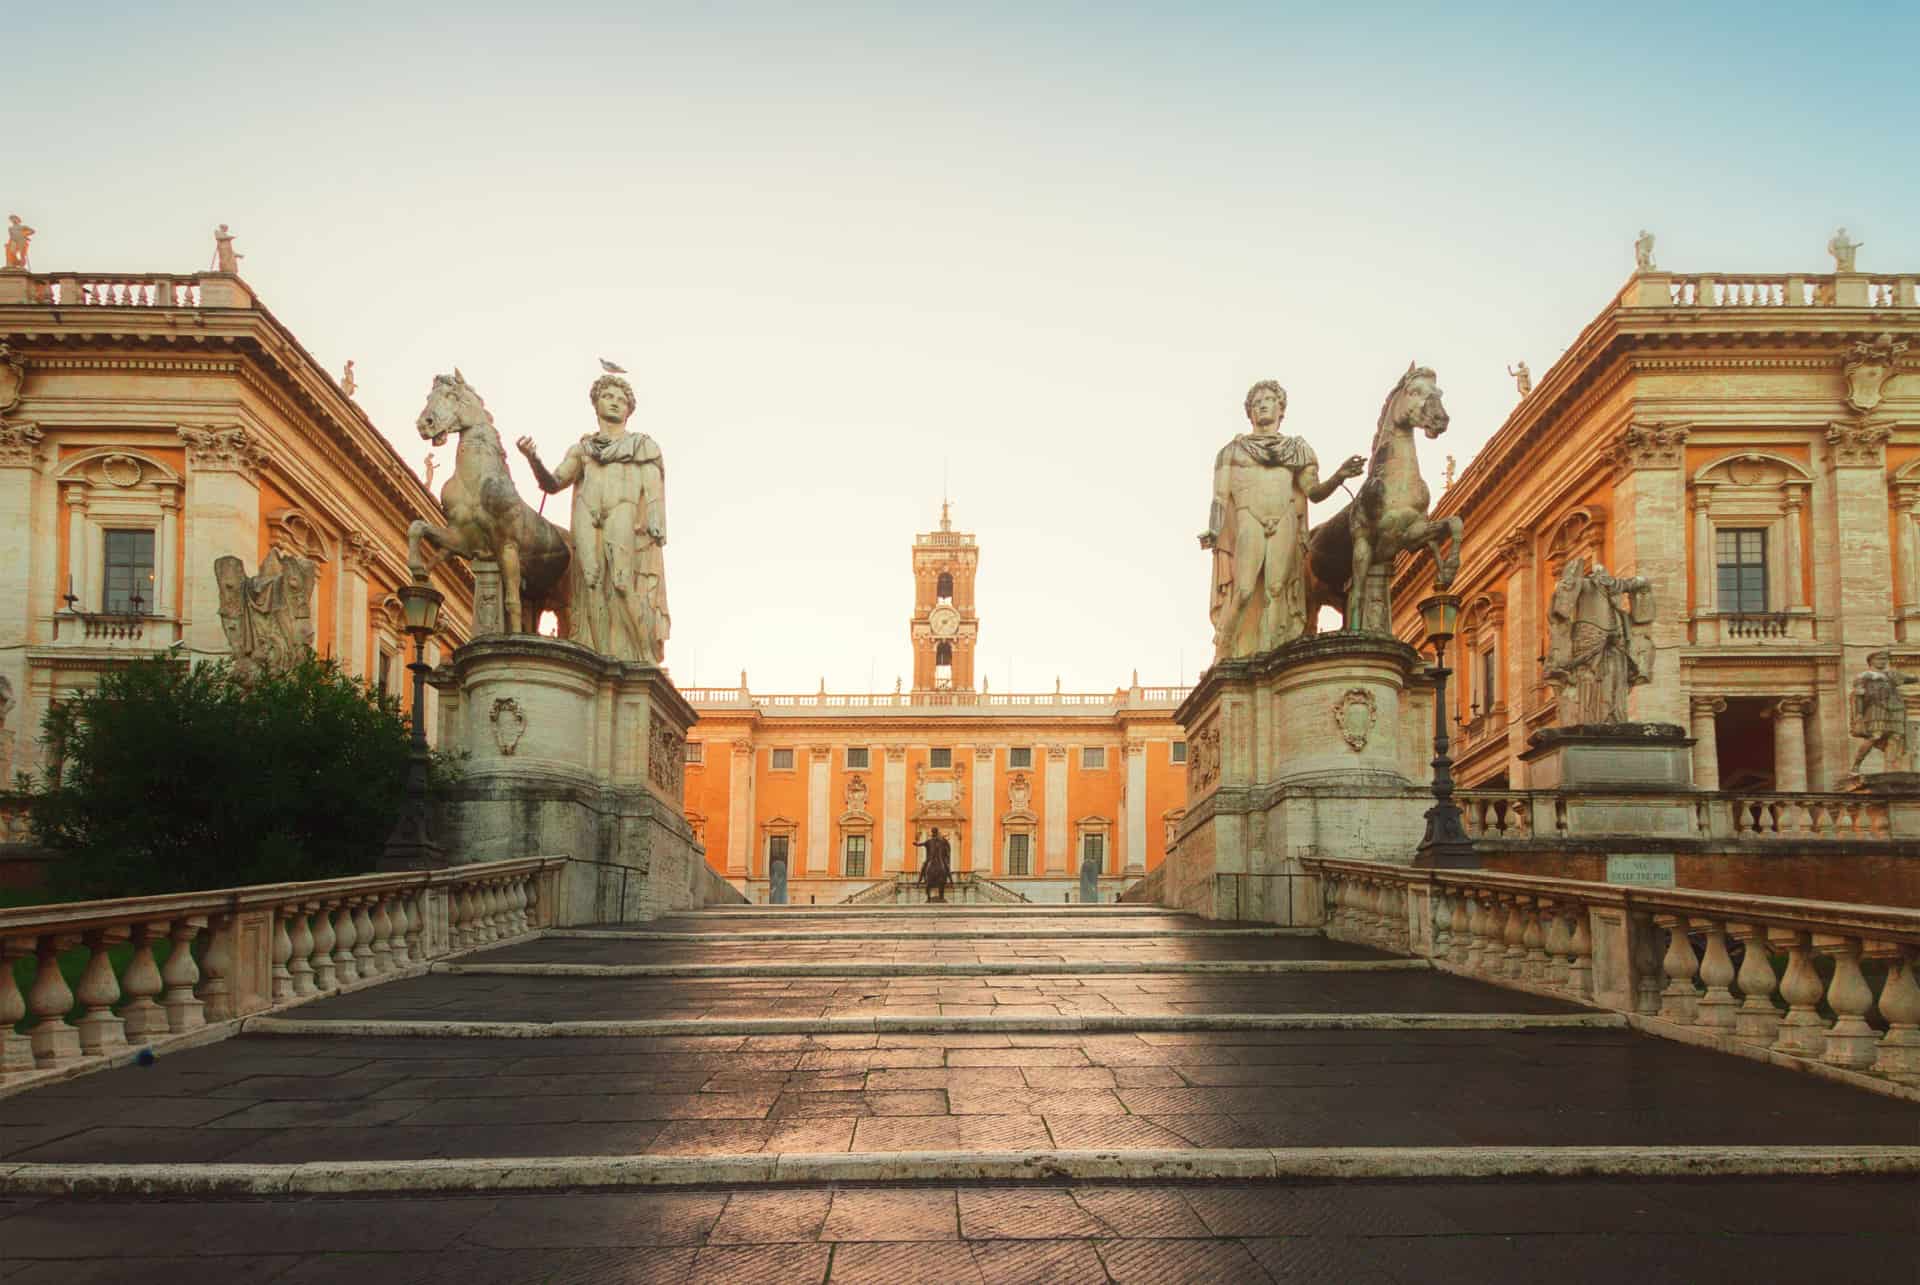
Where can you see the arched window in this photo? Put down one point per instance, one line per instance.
(943, 665)
(943, 589)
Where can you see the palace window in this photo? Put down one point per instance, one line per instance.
(1740, 564)
(1020, 756)
(780, 760)
(128, 574)
(1489, 694)
(386, 672)
(1019, 854)
(1094, 847)
(940, 758)
(696, 752)
(855, 861)
(858, 756)
(1177, 752)
(1093, 758)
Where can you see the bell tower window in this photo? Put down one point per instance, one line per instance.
(943, 667)
(944, 627)
(943, 588)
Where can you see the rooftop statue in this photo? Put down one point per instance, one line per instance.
(268, 618)
(1597, 650)
(1388, 517)
(1257, 529)
(224, 257)
(1643, 252)
(18, 234)
(486, 518)
(347, 384)
(1842, 248)
(1522, 378)
(619, 528)
(1877, 712)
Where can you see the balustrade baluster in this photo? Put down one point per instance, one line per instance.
(398, 945)
(459, 912)
(363, 940)
(185, 1010)
(102, 1032)
(142, 1014)
(49, 1000)
(282, 956)
(381, 949)
(326, 975)
(1460, 932)
(1442, 908)
(16, 1050)
(1647, 974)
(1850, 1041)
(1558, 945)
(1533, 967)
(1476, 960)
(1715, 1009)
(345, 967)
(300, 952)
(519, 889)
(1679, 1002)
(1513, 963)
(1580, 954)
(419, 933)
(1758, 1019)
(216, 969)
(483, 914)
(1899, 1055)
(531, 900)
(1803, 1031)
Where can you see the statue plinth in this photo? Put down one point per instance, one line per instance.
(1631, 770)
(569, 753)
(1902, 783)
(1316, 748)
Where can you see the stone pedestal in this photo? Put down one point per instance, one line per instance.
(568, 753)
(1617, 778)
(1315, 749)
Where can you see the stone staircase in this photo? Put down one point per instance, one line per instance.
(981, 1092)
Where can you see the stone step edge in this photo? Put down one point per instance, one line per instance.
(970, 934)
(548, 1173)
(957, 910)
(929, 968)
(933, 1024)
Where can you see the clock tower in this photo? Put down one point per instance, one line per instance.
(944, 626)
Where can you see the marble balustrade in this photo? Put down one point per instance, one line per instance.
(1743, 815)
(1744, 969)
(232, 952)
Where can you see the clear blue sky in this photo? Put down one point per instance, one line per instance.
(1042, 249)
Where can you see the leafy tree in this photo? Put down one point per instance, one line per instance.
(174, 779)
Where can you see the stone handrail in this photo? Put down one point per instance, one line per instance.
(260, 947)
(991, 890)
(1723, 814)
(1632, 949)
(1148, 890)
(1773, 290)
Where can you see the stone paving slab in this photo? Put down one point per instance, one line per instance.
(283, 1100)
(1051, 949)
(1469, 1232)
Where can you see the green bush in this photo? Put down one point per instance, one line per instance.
(175, 779)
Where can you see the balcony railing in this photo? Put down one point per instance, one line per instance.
(1699, 966)
(1774, 290)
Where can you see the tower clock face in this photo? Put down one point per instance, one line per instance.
(944, 621)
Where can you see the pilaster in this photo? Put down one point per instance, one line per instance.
(1706, 744)
(893, 810)
(1649, 513)
(739, 806)
(819, 842)
(978, 854)
(1053, 805)
(1136, 854)
(222, 516)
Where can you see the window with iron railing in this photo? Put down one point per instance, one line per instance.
(1740, 567)
(128, 577)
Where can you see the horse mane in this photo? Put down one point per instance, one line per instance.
(1371, 489)
(459, 385)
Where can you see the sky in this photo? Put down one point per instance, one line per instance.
(1027, 255)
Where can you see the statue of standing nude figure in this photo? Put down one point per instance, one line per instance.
(619, 528)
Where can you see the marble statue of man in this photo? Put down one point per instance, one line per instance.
(1643, 252)
(1843, 248)
(619, 527)
(225, 258)
(1522, 378)
(18, 235)
(1597, 650)
(1877, 712)
(268, 617)
(1263, 482)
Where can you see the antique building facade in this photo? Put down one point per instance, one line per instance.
(829, 793)
(1751, 445)
(150, 424)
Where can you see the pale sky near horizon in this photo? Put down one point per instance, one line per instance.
(1039, 250)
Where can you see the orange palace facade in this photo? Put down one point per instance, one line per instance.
(829, 793)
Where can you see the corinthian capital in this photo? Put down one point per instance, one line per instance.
(1859, 445)
(1649, 444)
(223, 450)
(19, 445)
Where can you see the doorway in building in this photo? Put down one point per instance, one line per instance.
(777, 870)
(1743, 735)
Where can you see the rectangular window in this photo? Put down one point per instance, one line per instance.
(780, 760)
(696, 751)
(776, 849)
(1740, 561)
(1019, 853)
(856, 858)
(1094, 847)
(386, 673)
(1178, 752)
(1093, 757)
(1020, 756)
(129, 574)
(940, 758)
(858, 756)
(1489, 693)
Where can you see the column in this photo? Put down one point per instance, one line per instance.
(1906, 515)
(167, 598)
(979, 853)
(739, 806)
(1791, 576)
(1136, 807)
(1706, 746)
(819, 841)
(80, 571)
(1054, 805)
(893, 810)
(1790, 742)
(1703, 569)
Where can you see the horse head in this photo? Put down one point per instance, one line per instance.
(1414, 403)
(452, 407)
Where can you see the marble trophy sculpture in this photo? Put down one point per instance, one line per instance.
(486, 518)
(1304, 744)
(1877, 715)
(268, 618)
(576, 744)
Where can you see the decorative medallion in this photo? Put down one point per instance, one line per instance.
(122, 471)
(509, 724)
(1354, 715)
(856, 793)
(1019, 792)
(1869, 366)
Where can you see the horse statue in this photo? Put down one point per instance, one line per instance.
(1388, 516)
(486, 518)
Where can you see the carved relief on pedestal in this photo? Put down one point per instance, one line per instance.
(1354, 715)
(509, 724)
(1203, 759)
(666, 757)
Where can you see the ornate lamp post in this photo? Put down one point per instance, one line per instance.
(1445, 845)
(410, 846)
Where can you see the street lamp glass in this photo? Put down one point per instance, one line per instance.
(420, 604)
(1440, 614)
